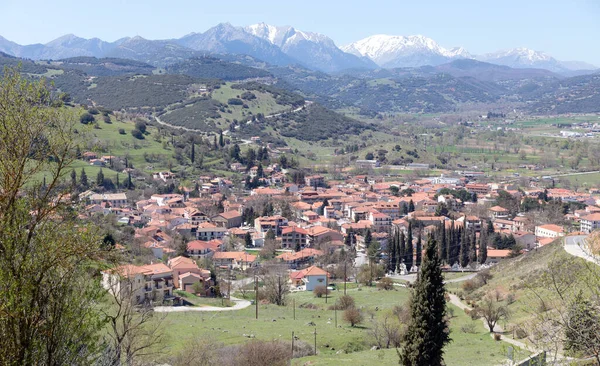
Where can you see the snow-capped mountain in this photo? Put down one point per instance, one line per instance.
(225, 38)
(404, 51)
(523, 58)
(314, 50)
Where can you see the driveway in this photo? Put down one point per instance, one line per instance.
(238, 304)
(576, 245)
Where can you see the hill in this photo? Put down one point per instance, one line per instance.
(104, 66)
(578, 94)
(214, 68)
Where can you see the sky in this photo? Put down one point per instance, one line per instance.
(567, 29)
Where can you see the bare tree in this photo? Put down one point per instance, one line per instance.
(276, 287)
(135, 329)
(386, 332)
(492, 310)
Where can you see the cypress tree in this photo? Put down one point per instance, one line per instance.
(193, 152)
(221, 141)
(83, 178)
(473, 248)
(428, 331)
(482, 256)
(464, 249)
(118, 184)
(402, 249)
(443, 243)
(411, 206)
(73, 178)
(100, 178)
(368, 238)
(409, 248)
(419, 250)
(391, 252)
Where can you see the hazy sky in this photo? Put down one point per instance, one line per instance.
(568, 29)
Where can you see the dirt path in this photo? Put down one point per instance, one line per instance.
(238, 305)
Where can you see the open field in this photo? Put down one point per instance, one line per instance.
(277, 323)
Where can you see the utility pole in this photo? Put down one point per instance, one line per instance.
(315, 340)
(256, 294)
(345, 277)
(326, 290)
(292, 344)
(229, 284)
(294, 304)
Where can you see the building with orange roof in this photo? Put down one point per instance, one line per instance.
(549, 231)
(293, 237)
(241, 260)
(310, 277)
(590, 222)
(150, 282)
(186, 274)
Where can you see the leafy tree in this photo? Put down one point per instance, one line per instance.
(49, 296)
(87, 118)
(270, 235)
(353, 316)
(137, 134)
(428, 330)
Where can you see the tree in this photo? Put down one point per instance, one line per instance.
(368, 238)
(100, 178)
(49, 297)
(182, 249)
(270, 235)
(582, 328)
(87, 118)
(419, 250)
(411, 206)
(409, 255)
(276, 287)
(482, 255)
(221, 141)
(83, 178)
(319, 291)
(492, 311)
(248, 240)
(193, 152)
(353, 316)
(428, 330)
(73, 178)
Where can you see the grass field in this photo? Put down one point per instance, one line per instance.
(278, 323)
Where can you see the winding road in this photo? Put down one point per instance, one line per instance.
(576, 246)
(238, 305)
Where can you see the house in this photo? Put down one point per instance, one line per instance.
(228, 219)
(208, 231)
(299, 259)
(311, 277)
(478, 189)
(590, 222)
(525, 240)
(496, 255)
(241, 260)
(273, 223)
(498, 212)
(549, 231)
(151, 282)
(380, 221)
(202, 249)
(320, 234)
(293, 237)
(195, 216)
(113, 199)
(186, 274)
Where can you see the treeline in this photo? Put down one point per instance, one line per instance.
(106, 66)
(281, 96)
(213, 68)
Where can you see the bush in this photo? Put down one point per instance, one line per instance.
(385, 283)
(86, 118)
(319, 291)
(470, 285)
(497, 336)
(107, 119)
(262, 353)
(121, 131)
(468, 328)
(353, 316)
(137, 134)
(235, 101)
(345, 302)
(140, 126)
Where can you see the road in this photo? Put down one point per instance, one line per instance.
(413, 276)
(575, 245)
(238, 305)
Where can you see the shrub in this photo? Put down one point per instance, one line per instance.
(470, 285)
(385, 283)
(235, 101)
(345, 302)
(255, 353)
(319, 291)
(353, 316)
(140, 126)
(497, 336)
(510, 298)
(107, 119)
(137, 134)
(86, 118)
(93, 111)
(468, 328)
(121, 131)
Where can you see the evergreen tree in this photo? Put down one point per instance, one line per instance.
(489, 227)
(118, 184)
(248, 239)
(419, 250)
(83, 178)
(260, 171)
(235, 152)
(482, 255)
(473, 248)
(411, 206)
(193, 152)
(464, 249)
(349, 239)
(392, 253)
(443, 243)
(428, 330)
(221, 141)
(265, 153)
(368, 238)
(409, 247)
(129, 182)
(73, 178)
(402, 249)
(100, 178)
(215, 146)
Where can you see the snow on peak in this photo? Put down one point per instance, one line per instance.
(382, 48)
(283, 35)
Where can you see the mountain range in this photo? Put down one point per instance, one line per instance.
(286, 45)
